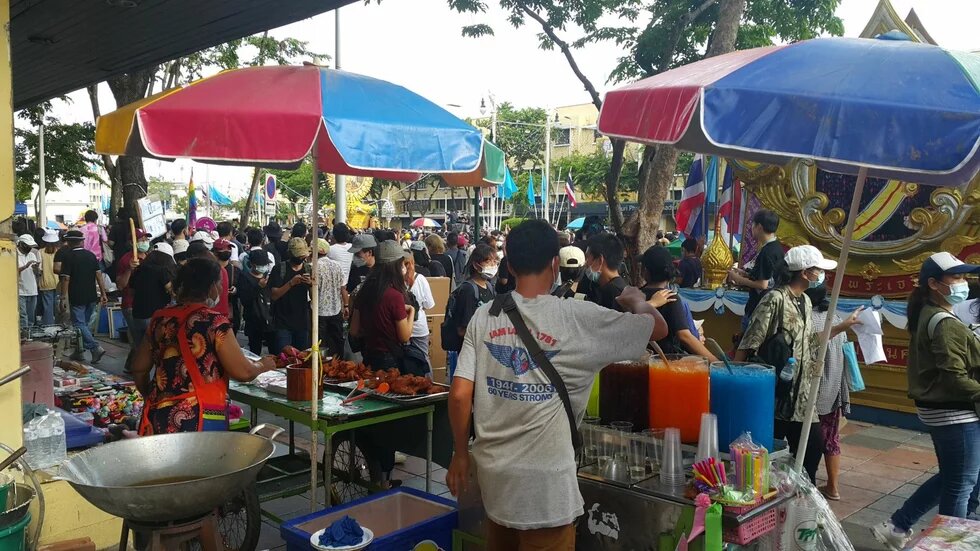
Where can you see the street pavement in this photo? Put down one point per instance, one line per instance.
(880, 467)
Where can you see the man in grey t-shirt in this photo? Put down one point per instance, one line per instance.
(523, 452)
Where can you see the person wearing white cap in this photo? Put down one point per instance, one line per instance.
(785, 314)
(27, 268)
(47, 284)
(204, 237)
(943, 358)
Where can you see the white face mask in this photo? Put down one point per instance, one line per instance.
(489, 271)
(212, 302)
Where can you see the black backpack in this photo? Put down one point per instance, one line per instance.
(776, 350)
(449, 330)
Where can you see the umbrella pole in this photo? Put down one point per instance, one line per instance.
(845, 249)
(315, 338)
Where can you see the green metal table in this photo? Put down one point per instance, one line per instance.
(359, 414)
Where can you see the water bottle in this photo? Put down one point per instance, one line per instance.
(50, 445)
(58, 442)
(789, 370)
(32, 444)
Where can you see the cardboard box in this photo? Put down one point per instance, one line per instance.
(437, 356)
(440, 293)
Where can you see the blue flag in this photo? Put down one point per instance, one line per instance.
(507, 189)
(530, 189)
(544, 184)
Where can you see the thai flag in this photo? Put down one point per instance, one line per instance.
(730, 207)
(570, 191)
(692, 200)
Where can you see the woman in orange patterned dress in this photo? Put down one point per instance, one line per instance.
(183, 365)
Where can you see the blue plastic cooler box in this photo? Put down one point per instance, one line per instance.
(400, 519)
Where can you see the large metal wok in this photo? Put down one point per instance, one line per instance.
(168, 477)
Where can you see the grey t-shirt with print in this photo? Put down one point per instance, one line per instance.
(523, 451)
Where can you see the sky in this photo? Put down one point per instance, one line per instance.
(417, 43)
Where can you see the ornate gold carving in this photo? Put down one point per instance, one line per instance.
(957, 243)
(973, 259)
(912, 265)
(793, 240)
(717, 260)
(870, 271)
(790, 191)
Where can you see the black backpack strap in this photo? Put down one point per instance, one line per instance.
(505, 302)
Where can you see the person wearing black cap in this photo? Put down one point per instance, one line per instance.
(276, 246)
(80, 273)
(943, 357)
(255, 296)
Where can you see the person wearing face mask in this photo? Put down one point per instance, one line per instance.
(364, 247)
(290, 283)
(125, 265)
(786, 307)
(942, 380)
(475, 291)
(255, 296)
(603, 258)
(222, 251)
(183, 366)
(766, 264)
(381, 317)
(833, 397)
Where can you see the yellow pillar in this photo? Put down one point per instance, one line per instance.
(11, 432)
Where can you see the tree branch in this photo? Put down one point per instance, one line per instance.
(549, 30)
(700, 9)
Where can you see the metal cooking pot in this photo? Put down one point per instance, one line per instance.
(20, 502)
(168, 477)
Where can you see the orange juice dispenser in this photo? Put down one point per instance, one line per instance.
(623, 393)
(679, 394)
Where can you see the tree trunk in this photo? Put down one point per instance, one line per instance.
(115, 184)
(726, 28)
(126, 89)
(247, 209)
(612, 185)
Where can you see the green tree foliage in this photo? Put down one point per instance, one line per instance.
(297, 184)
(520, 134)
(69, 152)
(589, 172)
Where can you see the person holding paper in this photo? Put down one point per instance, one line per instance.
(944, 355)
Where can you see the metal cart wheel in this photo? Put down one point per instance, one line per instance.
(351, 476)
(239, 523)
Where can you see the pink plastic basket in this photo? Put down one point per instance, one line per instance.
(752, 530)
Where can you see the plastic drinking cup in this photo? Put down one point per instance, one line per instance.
(637, 456)
(654, 448)
(672, 466)
(708, 437)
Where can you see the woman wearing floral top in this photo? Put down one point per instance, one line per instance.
(192, 353)
(804, 268)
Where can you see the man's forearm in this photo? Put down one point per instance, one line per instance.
(460, 409)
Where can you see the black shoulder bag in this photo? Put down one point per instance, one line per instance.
(506, 303)
(776, 350)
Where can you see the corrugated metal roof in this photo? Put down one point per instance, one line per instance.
(59, 46)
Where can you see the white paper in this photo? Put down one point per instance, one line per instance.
(869, 336)
(870, 323)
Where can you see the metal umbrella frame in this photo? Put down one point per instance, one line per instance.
(879, 108)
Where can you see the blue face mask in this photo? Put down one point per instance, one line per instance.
(958, 292)
(819, 281)
(592, 275)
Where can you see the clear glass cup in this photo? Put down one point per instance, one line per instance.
(605, 438)
(637, 456)
(654, 448)
(590, 448)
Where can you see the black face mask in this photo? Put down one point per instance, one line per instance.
(297, 261)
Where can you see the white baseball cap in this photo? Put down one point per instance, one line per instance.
(943, 263)
(571, 257)
(205, 237)
(27, 239)
(165, 248)
(805, 257)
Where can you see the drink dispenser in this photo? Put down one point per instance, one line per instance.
(678, 394)
(744, 401)
(623, 393)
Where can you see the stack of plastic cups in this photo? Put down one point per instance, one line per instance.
(654, 449)
(708, 437)
(672, 464)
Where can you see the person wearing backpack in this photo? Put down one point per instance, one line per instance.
(781, 328)
(658, 270)
(525, 395)
(944, 356)
(475, 291)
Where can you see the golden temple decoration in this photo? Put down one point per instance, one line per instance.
(716, 260)
(912, 265)
(791, 192)
(793, 240)
(870, 271)
(957, 243)
(973, 259)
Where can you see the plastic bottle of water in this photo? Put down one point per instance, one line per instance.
(51, 442)
(32, 444)
(789, 370)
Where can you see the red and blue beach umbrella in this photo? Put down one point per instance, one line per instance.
(885, 108)
(275, 116)
(904, 110)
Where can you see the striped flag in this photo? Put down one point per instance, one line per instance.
(570, 191)
(730, 207)
(692, 200)
(191, 203)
